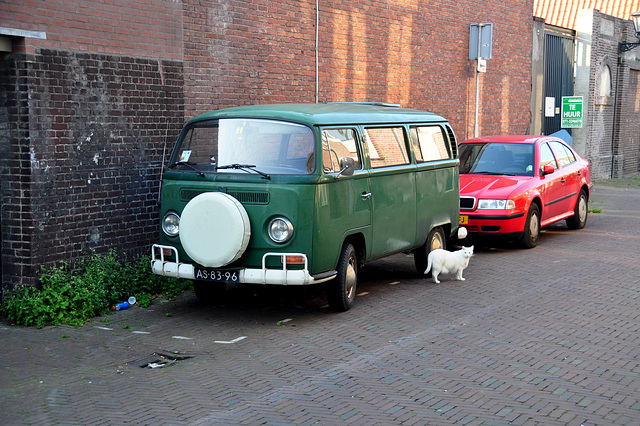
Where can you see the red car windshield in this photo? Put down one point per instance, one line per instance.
(497, 158)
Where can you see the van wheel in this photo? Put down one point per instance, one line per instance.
(208, 292)
(435, 240)
(341, 291)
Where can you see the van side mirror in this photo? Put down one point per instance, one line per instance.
(347, 166)
(547, 169)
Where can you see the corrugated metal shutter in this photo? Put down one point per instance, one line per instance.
(558, 75)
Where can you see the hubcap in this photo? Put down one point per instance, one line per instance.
(534, 228)
(436, 242)
(582, 209)
(350, 279)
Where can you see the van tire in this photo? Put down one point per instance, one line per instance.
(435, 240)
(209, 292)
(341, 291)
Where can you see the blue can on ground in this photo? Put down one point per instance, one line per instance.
(121, 306)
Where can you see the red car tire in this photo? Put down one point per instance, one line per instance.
(531, 232)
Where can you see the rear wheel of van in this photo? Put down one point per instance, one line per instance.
(341, 291)
(208, 292)
(435, 240)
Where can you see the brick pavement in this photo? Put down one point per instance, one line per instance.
(543, 336)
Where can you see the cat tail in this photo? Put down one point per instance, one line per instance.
(428, 264)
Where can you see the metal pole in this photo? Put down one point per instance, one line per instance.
(475, 124)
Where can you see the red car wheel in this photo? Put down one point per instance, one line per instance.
(531, 232)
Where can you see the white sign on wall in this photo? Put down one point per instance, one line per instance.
(549, 107)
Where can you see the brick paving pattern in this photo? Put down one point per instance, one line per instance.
(543, 336)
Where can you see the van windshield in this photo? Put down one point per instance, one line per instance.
(256, 146)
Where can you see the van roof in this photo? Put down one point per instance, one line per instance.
(327, 113)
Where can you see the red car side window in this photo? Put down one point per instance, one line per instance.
(562, 153)
(546, 156)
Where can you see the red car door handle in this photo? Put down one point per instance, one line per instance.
(563, 179)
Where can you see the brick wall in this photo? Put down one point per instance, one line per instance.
(412, 53)
(610, 137)
(85, 158)
(628, 132)
(147, 28)
(86, 112)
(15, 170)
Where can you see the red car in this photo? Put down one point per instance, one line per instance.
(511, 186)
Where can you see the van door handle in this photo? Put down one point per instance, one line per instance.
(366, 195)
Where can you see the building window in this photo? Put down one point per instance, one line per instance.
(604, 89)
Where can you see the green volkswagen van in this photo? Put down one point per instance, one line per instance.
(301, 194)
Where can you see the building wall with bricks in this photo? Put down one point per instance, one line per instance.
(94, 93)
(609, 83)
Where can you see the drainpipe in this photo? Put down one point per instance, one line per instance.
(615, 108)
(317, 23)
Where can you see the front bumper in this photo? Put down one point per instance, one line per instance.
(488, 224)
(283, 276)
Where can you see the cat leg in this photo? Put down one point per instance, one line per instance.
(459, 275)
(434, 274)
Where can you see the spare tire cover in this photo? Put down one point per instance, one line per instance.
(214, 229)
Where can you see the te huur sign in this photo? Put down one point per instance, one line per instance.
(572, 113)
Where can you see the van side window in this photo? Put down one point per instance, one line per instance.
(387, 146)
(336, 144)
(200, 144)
(429, 143)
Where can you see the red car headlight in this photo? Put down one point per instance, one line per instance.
(484, 204)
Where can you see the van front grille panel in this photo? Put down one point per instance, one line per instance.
(250, 197)
(187, 194)
(245, 197)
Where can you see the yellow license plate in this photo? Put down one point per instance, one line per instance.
(464, 220)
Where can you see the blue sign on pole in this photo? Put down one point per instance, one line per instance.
(480, 41)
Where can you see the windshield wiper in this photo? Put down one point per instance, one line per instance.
(246, 168)
(188, 164)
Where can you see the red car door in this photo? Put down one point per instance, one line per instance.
(570, 170)
(552, 187)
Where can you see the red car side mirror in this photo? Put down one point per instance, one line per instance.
(547, 169)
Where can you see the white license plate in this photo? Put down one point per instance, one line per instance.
(216, 275)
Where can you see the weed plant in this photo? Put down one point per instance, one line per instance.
(75, 295)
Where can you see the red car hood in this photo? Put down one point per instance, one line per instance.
(491, 186)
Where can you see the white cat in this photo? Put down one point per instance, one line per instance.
(448, 262)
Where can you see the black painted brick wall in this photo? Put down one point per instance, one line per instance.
(82, 137)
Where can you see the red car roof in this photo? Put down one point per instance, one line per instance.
(508, 138)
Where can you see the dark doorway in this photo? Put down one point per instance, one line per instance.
(558, 76)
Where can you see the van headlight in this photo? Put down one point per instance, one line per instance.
(171, 224)
(496, 204)
(280, 230)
